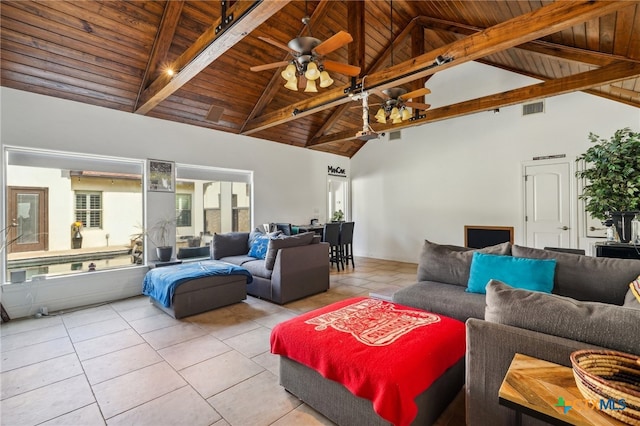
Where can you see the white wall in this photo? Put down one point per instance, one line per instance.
(289, 183)
(466, 171)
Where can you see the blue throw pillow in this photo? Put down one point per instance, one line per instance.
(518, 272)
(259, 247)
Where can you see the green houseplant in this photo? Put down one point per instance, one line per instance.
(612, 177)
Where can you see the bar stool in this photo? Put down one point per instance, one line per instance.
(331, 235)
(346, 241)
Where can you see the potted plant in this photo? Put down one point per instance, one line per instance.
(612, 179)
(158, 234)
(338, 216)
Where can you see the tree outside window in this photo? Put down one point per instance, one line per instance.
(183, 210)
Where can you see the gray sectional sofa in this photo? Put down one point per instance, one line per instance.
(294, 267)
(590, 307)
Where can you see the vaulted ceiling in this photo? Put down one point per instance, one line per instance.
(115, 54)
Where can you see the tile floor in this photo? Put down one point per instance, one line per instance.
(128, 363)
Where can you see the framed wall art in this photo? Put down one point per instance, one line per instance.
(161, 176)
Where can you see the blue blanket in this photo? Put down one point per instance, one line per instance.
(161, 283)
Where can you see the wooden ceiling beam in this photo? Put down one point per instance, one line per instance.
(248, 15)
(273, 86)
(582, 81)
(546, 20)
(162, 43)
(538, 46)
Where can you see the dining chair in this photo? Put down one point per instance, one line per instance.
(331, 235)
(346, 242)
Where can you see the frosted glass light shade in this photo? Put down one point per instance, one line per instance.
(292, 84)
(325, 79)
(289, 72)
(381, 116)
(406, 115)
(312, 72)
(397, 120)
(394, 113)
(311, 86)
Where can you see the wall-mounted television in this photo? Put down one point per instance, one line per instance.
(484, 236)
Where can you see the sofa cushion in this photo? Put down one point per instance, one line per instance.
(632, 299)
(285, 241)
(258, 248)
(596, 323)
(257, 269)
(519, 272)
(229, 244)
(444, 299)
(239, 260)
(451, 264)
(597, 279)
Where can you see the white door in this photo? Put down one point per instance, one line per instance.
(548, 205)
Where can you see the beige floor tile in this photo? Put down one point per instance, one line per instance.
(183, 406)
(153, 322)
(115, 364)
(89, 316)
(123, 393)
(130, 303)
(350, 290)
(32, 337)
(35, 376)
(228, 325)
(217, 374)
(354, 281)
(46, 403)
(272, 320)
(193, 351)
(148, 310)
(251, 343)
(179, 333)
(303, 415)
(382, 286)
(258, 401)
(97, 329)
(269, 361)
(253, 308)
(85, 416)
(35, 353)
(106, 344)
(28, 324)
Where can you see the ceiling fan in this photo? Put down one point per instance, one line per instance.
(396, 102)
(308, 63)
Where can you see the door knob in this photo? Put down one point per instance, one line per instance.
(564, 228)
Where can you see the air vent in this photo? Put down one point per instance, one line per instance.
(533, 108)
(394, 136)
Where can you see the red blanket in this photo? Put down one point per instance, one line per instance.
(381, 351)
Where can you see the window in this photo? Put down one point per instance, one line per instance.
(49, 191)
(89, 209)
(183, 210)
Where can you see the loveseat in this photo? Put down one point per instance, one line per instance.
(284, 268)
(590, 306)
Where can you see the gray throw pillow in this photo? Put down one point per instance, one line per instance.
(285, 241)
(600, 324)
(597, 279)
(229, 244)
(451, 264)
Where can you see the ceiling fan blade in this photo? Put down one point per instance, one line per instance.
(346, 69)
(269, 66)
(334, 42)
(416, 93)
(379, 93)
(275, 43)
(417, 105)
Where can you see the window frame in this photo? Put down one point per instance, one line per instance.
(86, 224)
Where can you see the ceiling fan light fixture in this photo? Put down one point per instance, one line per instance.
(395, 114)
(289, 72)
(312, 72)
(381, 116)
(406, 115)
(397, 120)
(325, 79)
(311, 86)
(292, 84)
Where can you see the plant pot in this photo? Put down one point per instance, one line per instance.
(622, 222)
(164, 253)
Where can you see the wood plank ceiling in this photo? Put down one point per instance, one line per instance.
(115, 54)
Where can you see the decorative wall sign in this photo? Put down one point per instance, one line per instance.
(161, 176)
(336, 171)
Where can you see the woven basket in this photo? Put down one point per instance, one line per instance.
(610, 375)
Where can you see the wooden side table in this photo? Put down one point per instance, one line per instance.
(548, 392)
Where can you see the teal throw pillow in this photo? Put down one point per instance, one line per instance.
(517, 272)
(259, 247)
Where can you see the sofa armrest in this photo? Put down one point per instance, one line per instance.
(490, 349)
(300, 271)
